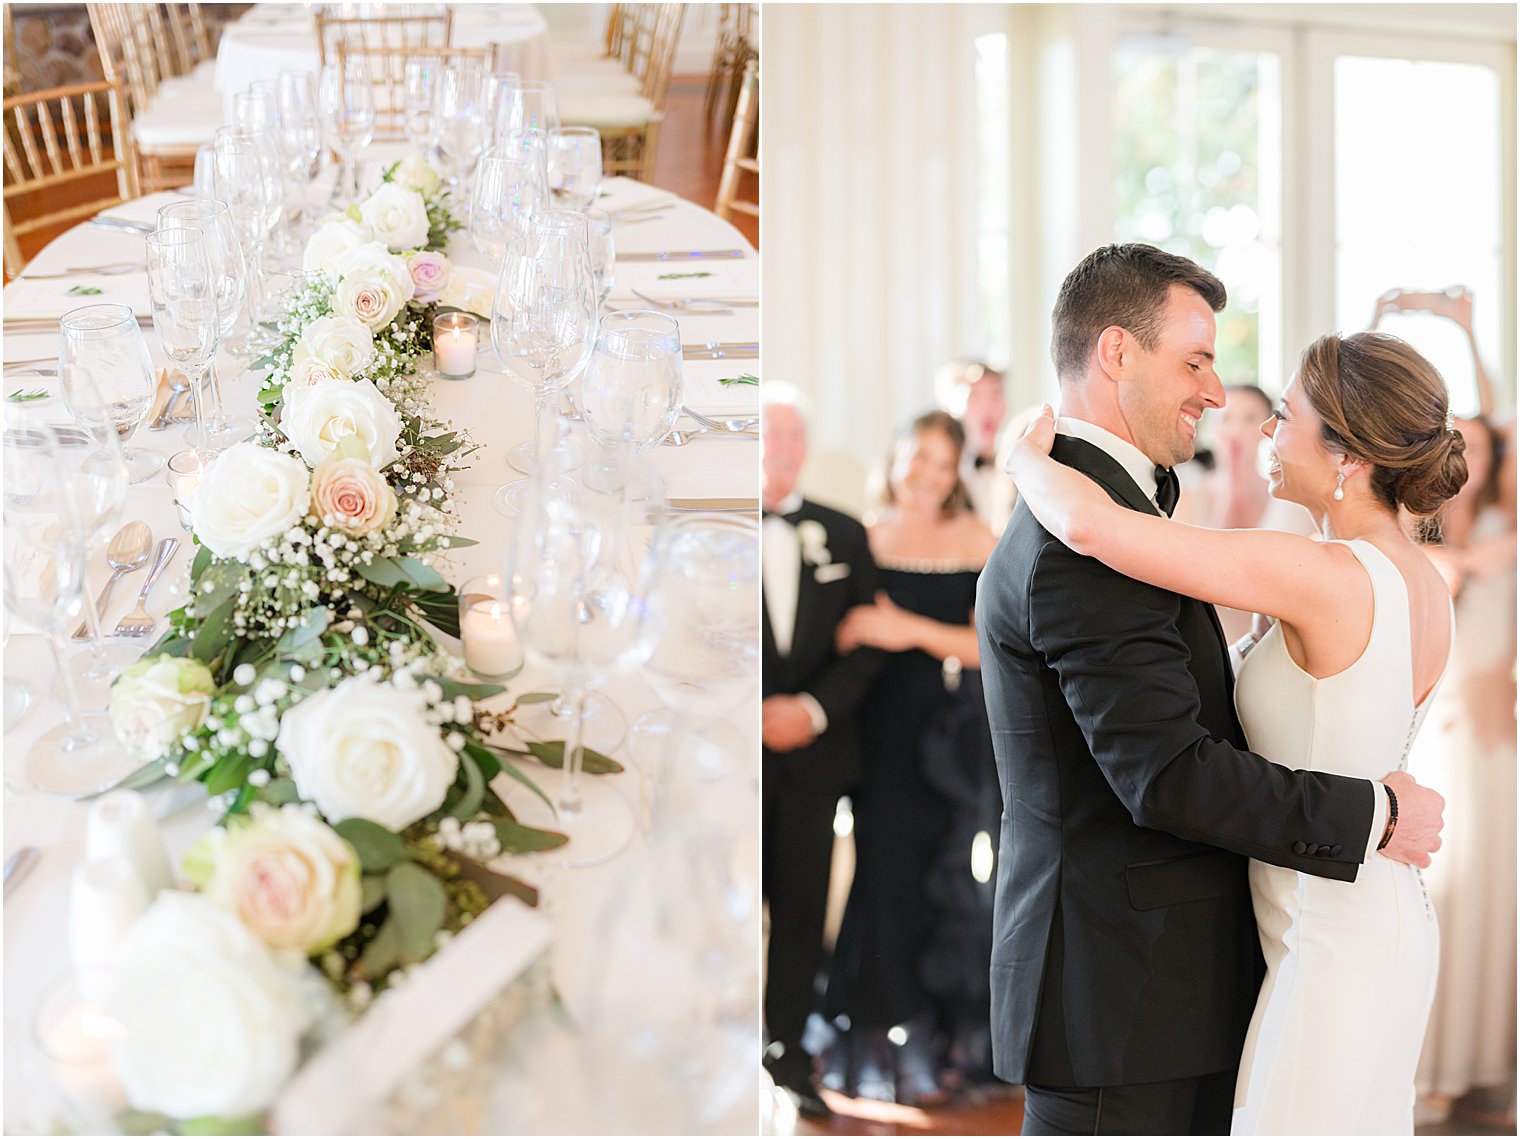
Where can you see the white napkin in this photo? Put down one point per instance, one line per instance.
(671, 280)
(26, 299)
(621, 193)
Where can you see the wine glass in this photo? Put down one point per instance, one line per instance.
(52, 503)
(461, 118)
(420, 83)
(510, 186)
(707, 658)
(205, 171)
(107, 378)
(186, 315)
(600, 247)
(578, 602)
(575, 166)
(631, 396)
(543, 320)
(528, 105)
(255, 114)
(348, 110)
(300, 138)
(214, 220)
(241, 173)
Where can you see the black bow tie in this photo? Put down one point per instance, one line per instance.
(1166, 489)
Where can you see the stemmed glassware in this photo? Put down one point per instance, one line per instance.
(107, 379)
(631, 397)
(420, 82)
(242, 183)
(300, 139)
(543, 321)
(704, 665)
(510, 186)
(255, 113)
(53, 503)
(578, 599)
(348, 112)
(229, 270)
(575, 166)
(527, 105)
(183, 287)
(462, 126)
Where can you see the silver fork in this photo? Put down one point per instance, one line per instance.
(693, 305)
(137, 623)
(744, 423)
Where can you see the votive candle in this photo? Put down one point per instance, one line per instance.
(455, 337)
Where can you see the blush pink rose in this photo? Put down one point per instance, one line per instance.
(430, 273)
(351, 495)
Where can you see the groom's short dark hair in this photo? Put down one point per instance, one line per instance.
(1124, 285)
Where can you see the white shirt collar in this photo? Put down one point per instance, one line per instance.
(1126, 454)
(790, 504)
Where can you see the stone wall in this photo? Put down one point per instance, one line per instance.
(53, 45)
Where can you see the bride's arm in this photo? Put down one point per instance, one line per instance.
(1266, 571)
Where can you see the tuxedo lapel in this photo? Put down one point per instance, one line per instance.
(1102, 468)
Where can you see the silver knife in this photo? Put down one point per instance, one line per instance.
(713, 350)
(717, 505)
(127, 224)
(17, 865)
(686, 255)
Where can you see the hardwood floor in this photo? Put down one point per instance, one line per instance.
(689, 156)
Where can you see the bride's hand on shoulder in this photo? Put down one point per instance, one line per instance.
(1033, 445)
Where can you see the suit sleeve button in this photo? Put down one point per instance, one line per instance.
(1299, 848)
(1335, 851)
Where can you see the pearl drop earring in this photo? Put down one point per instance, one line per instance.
(1340, 487)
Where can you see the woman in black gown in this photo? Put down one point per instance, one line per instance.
(908, 984)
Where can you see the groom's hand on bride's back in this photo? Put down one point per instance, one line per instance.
(1417, 834)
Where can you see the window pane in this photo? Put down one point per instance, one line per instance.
(1417, 190)
(1197, 138)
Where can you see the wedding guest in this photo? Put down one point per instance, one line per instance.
(908, 987)
(972, 392)
(816, 565)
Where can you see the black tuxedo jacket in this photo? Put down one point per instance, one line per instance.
(1124, 945)
(831, 762)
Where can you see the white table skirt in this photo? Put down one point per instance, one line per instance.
(498, 415)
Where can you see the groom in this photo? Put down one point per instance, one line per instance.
(1125, 956)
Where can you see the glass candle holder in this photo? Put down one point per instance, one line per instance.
(491, 649)
(75, 1035)
(456, 336)
(184, 476)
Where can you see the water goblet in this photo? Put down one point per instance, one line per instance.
(575, 166)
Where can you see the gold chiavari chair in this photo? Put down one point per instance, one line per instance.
(387, 71)
(629, 124)
(60, 136)
(192, 42)
(741, 145)
(371, 33)
(735, 47)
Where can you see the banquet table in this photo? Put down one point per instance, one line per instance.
(545, 1082)
(271, 38)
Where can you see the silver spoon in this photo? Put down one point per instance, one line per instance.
(178, 386)
(128, 551)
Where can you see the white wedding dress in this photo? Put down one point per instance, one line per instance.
(1351, 966)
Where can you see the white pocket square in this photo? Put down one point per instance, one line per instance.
(833, 571)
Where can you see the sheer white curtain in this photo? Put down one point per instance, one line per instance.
(870, 266)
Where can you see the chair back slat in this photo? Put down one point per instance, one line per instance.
(368, 34)
(92, 129)
(386, 67)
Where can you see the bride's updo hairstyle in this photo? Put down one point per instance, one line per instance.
(1382, 402)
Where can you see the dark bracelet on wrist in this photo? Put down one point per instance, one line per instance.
(1393, 817)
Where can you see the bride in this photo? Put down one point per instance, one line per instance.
(1339, 682)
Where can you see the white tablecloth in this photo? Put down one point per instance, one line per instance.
(498, 415)
(272, 38)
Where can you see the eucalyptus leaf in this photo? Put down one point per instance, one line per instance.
(474, 789)
(373, 887)
(378, 848)
(383, 953)
(440, 609)
(313, 625)
(453, 689)
(494, 885)
(536, 697)
(551, 753)
(203, 558)
(220, 1125)
(421, 576)
(510, 768)
(417, 904)
(280, 791)
(212, 636)
(227, 774)
(145, 776)
(518, 839)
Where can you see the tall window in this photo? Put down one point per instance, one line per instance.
(994, 175)
(1417, 202)
(1197, 140)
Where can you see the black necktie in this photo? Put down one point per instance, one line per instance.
(1166, 489)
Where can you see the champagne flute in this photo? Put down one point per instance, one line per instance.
(300, 139)
(543, 321)
(186, 316)
(420, 82)
(575, 166)
(229, 270)
(240, 173)
(348, 109)
(462, 124)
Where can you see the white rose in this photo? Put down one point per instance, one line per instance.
(310, 370)
(247, 495)
(317, 417)
(365, 750)
(157, 700)
(397, 217)
(287, 875)
(342, 343)
(213, 1022)
(373, 285)
(415, 173)
(335, 237)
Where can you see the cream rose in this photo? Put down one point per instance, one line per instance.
(397, 217)
(414, 173)
(431, 273)
(213, 1022)
(156, 701)
(352, 494)
(287, 875)
(317, 416)
(342, 343)
(366, 750)
(337, 236)
(469, 289)
(373, 285)
(247, 495)
(313, 370)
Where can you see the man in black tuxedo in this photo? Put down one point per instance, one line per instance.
(1125, 957)
(817, 565)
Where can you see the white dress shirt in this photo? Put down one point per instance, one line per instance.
(780, 570)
